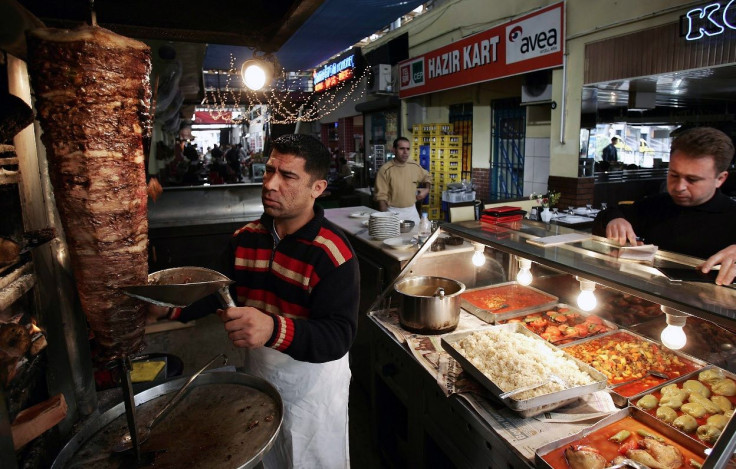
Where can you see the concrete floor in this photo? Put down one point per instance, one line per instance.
(203, 339)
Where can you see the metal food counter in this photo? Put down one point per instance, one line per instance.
(191, 225)
(420, 419)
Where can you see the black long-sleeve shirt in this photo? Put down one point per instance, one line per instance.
(699, 231)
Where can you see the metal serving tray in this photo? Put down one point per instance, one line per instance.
(207, 436)
(682, 379)
(607, 323)
(535, 405)
(490, 317)
(637, 414)
(618, 399)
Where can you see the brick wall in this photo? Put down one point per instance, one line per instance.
(325, 134)
(574, 191)
(346, 143)
(481, 182)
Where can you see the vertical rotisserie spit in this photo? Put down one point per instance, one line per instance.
(93, 97)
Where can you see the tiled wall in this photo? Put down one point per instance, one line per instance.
(536, 165)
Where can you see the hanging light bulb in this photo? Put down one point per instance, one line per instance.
(256, 73)
(673, 336)
(586, 299)
(479, 257)
(524, 276)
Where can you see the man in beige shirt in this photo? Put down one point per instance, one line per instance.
(401, 182)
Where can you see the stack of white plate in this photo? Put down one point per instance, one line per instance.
(383, 225)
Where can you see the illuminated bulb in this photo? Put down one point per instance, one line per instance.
(254, 77)
(479, 257)
(586, 299)
(524, 276)
(673, 336)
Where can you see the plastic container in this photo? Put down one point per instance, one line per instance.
(425, 228)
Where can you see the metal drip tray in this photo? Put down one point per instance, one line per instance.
(226, 420)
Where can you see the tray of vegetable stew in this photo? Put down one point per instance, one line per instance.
(627, 358)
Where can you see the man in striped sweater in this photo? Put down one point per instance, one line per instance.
(297, 291)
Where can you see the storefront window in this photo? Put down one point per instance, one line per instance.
(638, 146)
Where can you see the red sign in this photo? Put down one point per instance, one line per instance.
(214, 117)
(531, 42)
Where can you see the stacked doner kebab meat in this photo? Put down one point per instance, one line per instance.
(93, 98)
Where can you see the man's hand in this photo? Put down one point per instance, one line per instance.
(383, 206)
(727, 258)
(246, 326)
(422, 192)
(621, 231)
(155, 313)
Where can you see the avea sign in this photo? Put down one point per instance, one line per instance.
(708, 21)
(533, 37)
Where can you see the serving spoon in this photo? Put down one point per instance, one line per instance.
(550, 379)
(126, 443)
(628, 463)
(656, 374)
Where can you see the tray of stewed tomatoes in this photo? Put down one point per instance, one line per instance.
(562, 324)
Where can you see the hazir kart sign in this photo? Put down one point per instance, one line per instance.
(531, 42)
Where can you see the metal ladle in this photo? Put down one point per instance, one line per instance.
(656, 374)
(126, 442)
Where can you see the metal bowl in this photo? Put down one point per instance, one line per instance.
(406, 226)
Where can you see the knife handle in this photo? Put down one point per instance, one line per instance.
(223, 294)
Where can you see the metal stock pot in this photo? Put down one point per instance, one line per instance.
(429, 305)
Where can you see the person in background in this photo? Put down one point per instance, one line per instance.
(297, 288)
(610, 153)
(191, 153)
(693, 217)
(401, 183)
(345, 170)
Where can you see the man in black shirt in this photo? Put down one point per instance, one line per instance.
(610, 153)
(693, 217)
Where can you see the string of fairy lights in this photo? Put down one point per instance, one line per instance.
(282, 105)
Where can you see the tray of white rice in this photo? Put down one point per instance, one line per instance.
(509, 356)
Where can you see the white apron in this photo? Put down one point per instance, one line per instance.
(406, 213)
(314, 432)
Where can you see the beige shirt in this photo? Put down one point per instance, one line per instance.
(397, 184)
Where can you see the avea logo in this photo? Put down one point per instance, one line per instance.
(540, 41)
(515, 33)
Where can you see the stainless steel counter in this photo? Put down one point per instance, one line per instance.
(353, 226)
(205, 205)
(595, 259)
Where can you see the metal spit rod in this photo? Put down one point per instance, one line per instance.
(129, 399)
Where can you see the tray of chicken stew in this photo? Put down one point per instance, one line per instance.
(508, 357)
(632, 363)
(504, 300)
(699, 405)
(561, 324)
(629, 434)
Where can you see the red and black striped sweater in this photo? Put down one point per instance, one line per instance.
(308, 281)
